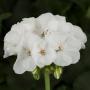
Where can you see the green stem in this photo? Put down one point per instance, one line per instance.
(47, 81)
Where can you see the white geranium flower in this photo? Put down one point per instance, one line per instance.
(67, 53)
(67, 49)
(24, 54)
(44, 40)
(24, 61)
(43, 54)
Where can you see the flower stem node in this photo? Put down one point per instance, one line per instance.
(47, 69)
(57, 72)
(36, 73)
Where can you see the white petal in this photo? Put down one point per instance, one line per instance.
(72, 43)
(44, 19)
(75, 55)
(79, 34)
(58, 23)
(31, 25)
(65, 27)
(60, 18)
(12, 37)
(42, 60)
(11, 42)
(31, 40)
(55, 39)
(63, 60)
(18, 67)
(53, 25)
(21, 65)
(29, 64)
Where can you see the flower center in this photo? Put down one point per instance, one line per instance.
(29, 53)
(42, 52)
(60, 48)
(44, 33)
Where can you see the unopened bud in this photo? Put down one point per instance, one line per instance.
(57, 72)
(36, 74)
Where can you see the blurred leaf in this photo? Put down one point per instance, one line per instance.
(82, 82)
(63, 87)
(83, 4)
(60, 6)
(88, 13)
(86, 54)
(4, 16)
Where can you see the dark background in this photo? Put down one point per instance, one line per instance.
(74, 77)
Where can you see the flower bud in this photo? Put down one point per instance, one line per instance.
(36, 74)
(57, 72)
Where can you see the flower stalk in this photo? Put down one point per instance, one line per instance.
(47, 80)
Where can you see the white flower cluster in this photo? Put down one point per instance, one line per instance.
(42, 41)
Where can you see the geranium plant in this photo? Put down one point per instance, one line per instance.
(46, 43)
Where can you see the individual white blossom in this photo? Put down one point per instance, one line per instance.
(43, 54)
(44, 40)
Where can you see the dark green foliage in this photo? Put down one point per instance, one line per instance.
(74, 77)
